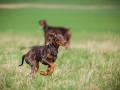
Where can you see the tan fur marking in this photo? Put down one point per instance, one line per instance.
(69, 32)
(44, 73)
(60, 42)
(35, 71)
(49, 70)
(49, 56)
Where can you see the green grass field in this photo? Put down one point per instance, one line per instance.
(70, 2)
(93, 63)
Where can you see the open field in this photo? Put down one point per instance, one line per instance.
(66, 2)
(93, 63)
(57, 6)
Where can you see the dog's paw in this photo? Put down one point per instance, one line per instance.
(44, 73)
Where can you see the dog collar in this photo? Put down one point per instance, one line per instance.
(54, 54)
(41, 52)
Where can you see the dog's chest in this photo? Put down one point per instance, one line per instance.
(51, 58)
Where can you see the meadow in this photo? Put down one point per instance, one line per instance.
(93, 62)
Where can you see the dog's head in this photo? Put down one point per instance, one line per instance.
(42, 23)
(58, 39)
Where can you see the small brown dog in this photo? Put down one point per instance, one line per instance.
(47, 55)
(59, 30)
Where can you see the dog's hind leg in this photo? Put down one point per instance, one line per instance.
(67, 36)
(68, 45)
(34, 67)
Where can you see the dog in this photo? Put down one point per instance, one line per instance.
(59, 30)
(47, 55)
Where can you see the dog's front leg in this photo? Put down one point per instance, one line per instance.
(49, 71)
(50, 68)
(46, 62)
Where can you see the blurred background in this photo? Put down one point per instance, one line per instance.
(99, 16)
(93, 63)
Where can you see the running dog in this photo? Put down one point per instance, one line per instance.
(47, 55)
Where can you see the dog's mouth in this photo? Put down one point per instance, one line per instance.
(41, 26)
(61, 43)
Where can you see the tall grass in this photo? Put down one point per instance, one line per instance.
(93, 65)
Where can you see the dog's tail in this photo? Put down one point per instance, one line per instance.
(22, 60)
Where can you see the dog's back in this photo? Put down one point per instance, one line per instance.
(35, 52)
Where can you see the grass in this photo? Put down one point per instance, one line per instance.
(104, 21)
(93, 63)
(71, 2)
(94, 66)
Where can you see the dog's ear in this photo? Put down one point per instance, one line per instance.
(52, 35)
(44, 21)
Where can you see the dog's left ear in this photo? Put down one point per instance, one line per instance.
(52, 34)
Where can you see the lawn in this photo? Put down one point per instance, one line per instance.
(93, 62)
